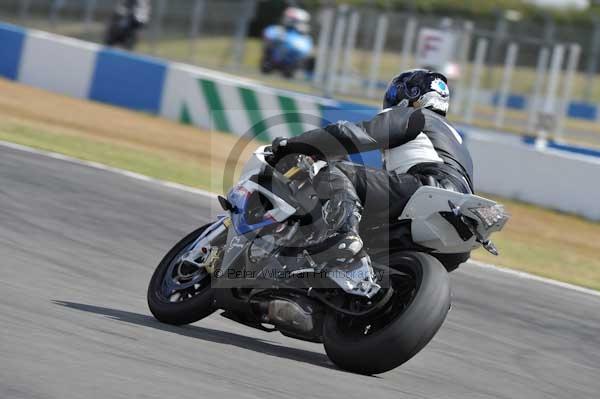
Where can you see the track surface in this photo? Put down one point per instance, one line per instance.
(78, 246)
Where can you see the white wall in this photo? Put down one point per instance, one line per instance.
(58, 64)
(553, 179)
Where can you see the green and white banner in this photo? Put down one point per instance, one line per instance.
(222, 102)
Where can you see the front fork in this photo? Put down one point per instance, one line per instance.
(202, 248)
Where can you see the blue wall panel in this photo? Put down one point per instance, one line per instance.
(348, 111)
(582, 110)
(514, 101)
(372, 159)
(353, 112)
(128, 80)
(11, 46)
(574, 149)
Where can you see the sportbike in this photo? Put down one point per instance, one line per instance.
(266, 263)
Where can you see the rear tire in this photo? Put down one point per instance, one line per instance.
(406, 334)
(266, 67)
(178, 313)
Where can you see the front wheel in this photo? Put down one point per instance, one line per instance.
(180, 294)
(289, 71)
(416, 311)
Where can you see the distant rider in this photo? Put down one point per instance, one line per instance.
(128, 17)
(420, 147)
(288, 47)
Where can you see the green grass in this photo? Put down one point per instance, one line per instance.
(552, 260)
(539, 241)
(549, 244)
(119, 156)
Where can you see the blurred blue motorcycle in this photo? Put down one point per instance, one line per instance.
(288, 47)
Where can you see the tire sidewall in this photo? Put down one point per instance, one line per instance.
(403, 337)
(178, 313)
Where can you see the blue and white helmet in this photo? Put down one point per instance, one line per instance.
(419, 88)
(296, 18)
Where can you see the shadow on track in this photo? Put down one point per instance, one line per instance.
(206, 334)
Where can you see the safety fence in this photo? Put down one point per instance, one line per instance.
(514, 167)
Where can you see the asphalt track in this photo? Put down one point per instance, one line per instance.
(78, 246)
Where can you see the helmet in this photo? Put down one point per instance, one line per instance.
(419, 88)
(296, 18)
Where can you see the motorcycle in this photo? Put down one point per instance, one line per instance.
(286, 50)
(125, 23)
(267, 264)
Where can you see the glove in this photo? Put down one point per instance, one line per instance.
(280, 158)
(279, 150)
(279, 145)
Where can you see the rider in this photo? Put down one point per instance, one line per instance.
(420, 147)
(127, 19)
(295, 18)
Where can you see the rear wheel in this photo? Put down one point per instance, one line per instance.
(179, 293)
(266, 66)
(416, 311)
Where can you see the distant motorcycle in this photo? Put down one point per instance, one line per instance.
(286, 50)
(128, 18)
(266, 264)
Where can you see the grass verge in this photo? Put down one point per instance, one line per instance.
(119, 156)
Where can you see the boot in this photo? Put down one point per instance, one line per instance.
(342, 213)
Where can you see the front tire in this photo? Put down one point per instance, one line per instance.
(288, 71)
(197, 307)
(406, 333)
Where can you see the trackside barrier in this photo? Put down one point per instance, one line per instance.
(197, 96)
(556, 177)
(559, 177)
(226, 103)
(575, 109)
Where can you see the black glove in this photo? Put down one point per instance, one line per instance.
(279, 150)
(282, 158)
(279, 145)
